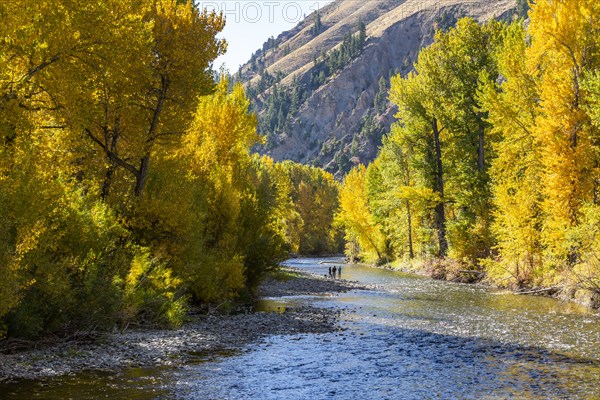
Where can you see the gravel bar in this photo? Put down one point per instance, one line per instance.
(205, 334)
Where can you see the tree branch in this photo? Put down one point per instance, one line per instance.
(111, 155)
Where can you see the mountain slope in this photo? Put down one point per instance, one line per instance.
(320, 89)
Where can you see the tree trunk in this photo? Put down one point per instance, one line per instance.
(411, 253)
(142, 173)
(440, 216)
(140, 179)
(107, 181)
(481, 151)
(112, 166)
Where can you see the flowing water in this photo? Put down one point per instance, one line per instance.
(411, 338)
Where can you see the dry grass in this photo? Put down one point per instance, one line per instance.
(341, 17)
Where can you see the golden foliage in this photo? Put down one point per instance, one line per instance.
(355, 215)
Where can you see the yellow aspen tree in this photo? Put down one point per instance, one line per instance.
(126, 90)
(288, 219)
(222, 132)
(355, 216)
(564, 40)
(516, 171)
(314, 193)
(215, 160)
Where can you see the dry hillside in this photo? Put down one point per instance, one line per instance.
(336, 118)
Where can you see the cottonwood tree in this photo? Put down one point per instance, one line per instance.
(513, 108)
(356, 217)
(564, 49)
(440, 100)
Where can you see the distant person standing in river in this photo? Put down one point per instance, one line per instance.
(334, 270)
(330, 272)
(340, 271)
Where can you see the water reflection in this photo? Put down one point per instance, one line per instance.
(133, 383)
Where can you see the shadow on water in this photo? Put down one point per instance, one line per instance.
(379, 362)
(132, 383)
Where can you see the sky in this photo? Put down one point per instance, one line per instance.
(250, 23)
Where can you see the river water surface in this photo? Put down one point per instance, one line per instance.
(411, 338)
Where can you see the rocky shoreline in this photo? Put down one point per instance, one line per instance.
(441, 271)
(205, 334)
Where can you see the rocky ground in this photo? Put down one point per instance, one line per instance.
(205, 335)
(306, 284)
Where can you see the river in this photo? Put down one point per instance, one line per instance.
(410, 338)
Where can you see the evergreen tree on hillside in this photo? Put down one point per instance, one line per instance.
(381, 98)
(317, 25)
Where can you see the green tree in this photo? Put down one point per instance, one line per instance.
(400, 197)
(381, 98)
(441, 97)
(317, 26)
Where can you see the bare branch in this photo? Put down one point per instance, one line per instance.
(111, 155)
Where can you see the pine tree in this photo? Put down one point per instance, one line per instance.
(317, 26)
(362, 34)
(381, 100)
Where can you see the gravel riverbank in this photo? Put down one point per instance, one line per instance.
(204, 335)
